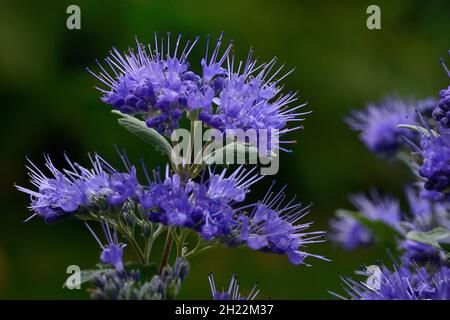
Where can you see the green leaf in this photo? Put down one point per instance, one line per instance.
(425, 131)
(146, 271)
(383, 232)
(84, 276)
(438, 238)
(140, 129)
(445, 246)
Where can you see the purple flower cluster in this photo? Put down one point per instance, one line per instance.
(131, 285)
(435, 169)
(421, 218)
(250, 98)
(154, 82)
(350, 233)
(403, 284)
(158, 85)
(233, 290)
(417, 252)
(423, 273)
(65, 192)
(207, 206)
(378, 124)
(212, 206)
(272, 226)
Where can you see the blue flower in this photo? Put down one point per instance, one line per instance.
(442, 111)
(402, 283)
(212, 78)
(112, 253)
(233, 290)
(155, 83)
(272, 227)
(206, 206)
(421, 209)
(350, 233)
(386, 209)
(435, 169)
(249, 97)
(78, 189)
(64, 192)
(377, 125)
(424, 217)
(123, 186)
(419, 252)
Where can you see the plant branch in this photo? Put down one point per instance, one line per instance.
(167, 249)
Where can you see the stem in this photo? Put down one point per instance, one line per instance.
(132, 241)
(180, 242)
(148, 249)
(149, 243)
(136, 247)
(195, 253)
(166, 251)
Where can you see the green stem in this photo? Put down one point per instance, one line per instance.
(136, 248)
(195, 253)
(180, 242)
(167, 249)
(132, 242)
(149, 243)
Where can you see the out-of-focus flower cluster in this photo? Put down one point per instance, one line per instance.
(417, 133)
(403, 283)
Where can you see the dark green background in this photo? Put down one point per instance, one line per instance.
(48, 105)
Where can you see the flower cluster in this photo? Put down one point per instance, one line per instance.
(272, 227)
(121, 284)
(153, 82)
(378, 124)
(157, 84)
(421, 233)
(208, 206)
(78, 189)
(435, 151)
(212, 206)
(196, 206)
(113, 284)
(350, 233)
(403, 284)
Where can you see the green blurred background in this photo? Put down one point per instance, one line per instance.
(48, 105)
